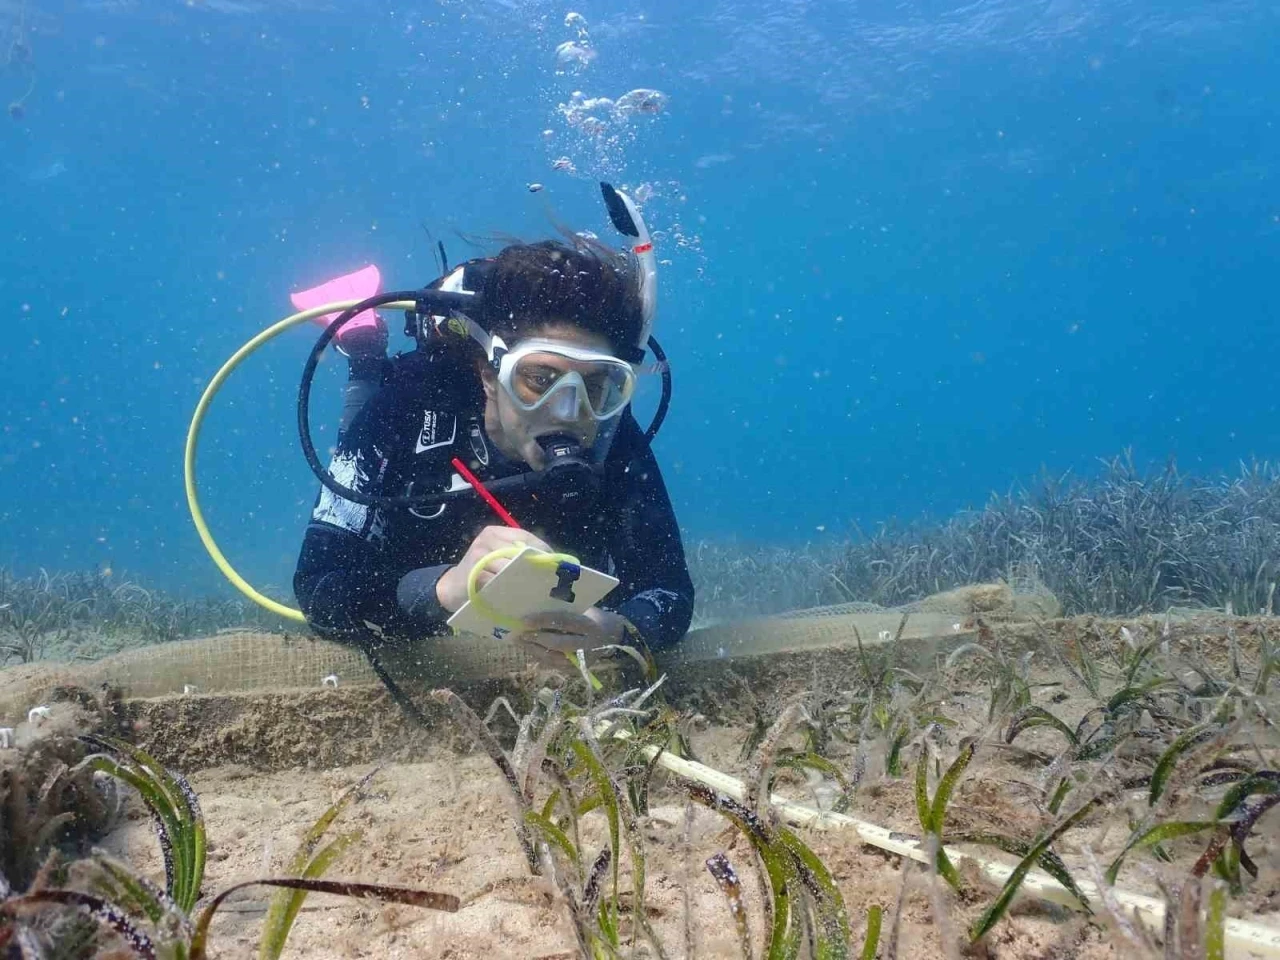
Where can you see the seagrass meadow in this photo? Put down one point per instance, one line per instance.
(915, 769)
(942, 332)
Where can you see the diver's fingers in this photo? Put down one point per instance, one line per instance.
(491, 570)
(494, 537)
(537, 648)
(555, 621)
(536, 542)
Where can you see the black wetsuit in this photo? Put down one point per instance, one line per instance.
(381, 565)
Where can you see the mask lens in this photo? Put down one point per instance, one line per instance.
(607, 382)
(532, 379)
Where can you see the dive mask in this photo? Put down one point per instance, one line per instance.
(563, 381)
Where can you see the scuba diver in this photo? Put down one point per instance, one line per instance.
(527, 390)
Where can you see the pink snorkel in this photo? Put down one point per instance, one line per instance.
(360, 285)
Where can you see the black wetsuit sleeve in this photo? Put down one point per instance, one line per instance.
(655, 592)
(346, 578)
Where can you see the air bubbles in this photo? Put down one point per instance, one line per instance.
(576, 54)
(642, 100)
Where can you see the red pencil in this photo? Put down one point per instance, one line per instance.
(489, 498)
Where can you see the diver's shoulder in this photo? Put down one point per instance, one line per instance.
(437, 378)
(629, 442)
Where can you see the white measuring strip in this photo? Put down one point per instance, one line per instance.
(1243, 937)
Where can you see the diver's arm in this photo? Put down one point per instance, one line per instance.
(655, 593)
(345, 579)
(364, 378)
(342, 584)
(418, 600)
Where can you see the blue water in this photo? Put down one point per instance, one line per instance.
(918, 250)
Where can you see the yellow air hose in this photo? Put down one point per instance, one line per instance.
(193, 442)
(202, 527)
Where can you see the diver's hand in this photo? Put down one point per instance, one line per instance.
(451, 588)
(615, 626)
(549, 636)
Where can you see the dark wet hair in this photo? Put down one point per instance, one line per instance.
(582, 282)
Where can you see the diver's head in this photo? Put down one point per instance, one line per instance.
(563, 319)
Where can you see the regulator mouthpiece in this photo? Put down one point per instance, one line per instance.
(568, 474)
